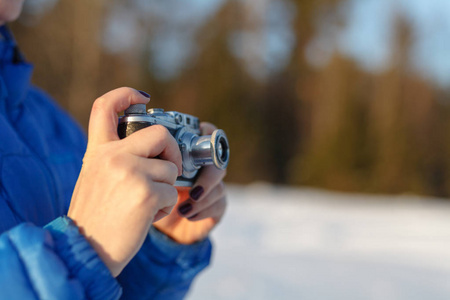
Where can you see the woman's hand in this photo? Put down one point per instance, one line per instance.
(122, 188)
(200, 208)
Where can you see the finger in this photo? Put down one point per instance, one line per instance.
(165, 197)
(190, 208)
(215, 211)
(104, 120)
(154, 141)
(207, 128)
(162, 213)
(157, 170)
(208, 178)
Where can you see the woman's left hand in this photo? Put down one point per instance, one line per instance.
(198, 209)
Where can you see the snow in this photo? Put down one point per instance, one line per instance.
(288, 243)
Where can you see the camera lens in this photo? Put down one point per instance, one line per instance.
(199, 151)
(222, 150)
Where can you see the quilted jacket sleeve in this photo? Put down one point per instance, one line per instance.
(52, 263)
(163, 269)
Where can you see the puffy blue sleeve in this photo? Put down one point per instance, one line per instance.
(52, 263)
(163, 269)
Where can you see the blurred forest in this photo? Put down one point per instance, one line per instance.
(296, 109)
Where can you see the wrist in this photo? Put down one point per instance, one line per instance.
(82, 260)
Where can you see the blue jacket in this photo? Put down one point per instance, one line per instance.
(42, 253)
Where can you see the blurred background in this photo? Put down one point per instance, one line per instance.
(323, 101)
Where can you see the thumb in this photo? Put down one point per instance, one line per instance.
(104, 120)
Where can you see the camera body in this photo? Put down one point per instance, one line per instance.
(196, 150)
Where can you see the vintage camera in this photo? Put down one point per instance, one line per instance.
(196, 150)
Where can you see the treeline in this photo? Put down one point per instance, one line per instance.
(336, 127)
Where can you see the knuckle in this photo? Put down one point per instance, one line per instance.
(124, 90)
(127, 89)
(116, 161)
(141, 180)
(161, 131)
(124, 168)
(143, 191)
(173, 172)
(142, 195)
(222, 188)
(162, 135)
(207, 128)
(172, 196)
(129, 93)
(99, 103)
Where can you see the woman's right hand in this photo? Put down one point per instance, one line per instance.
(122, 187)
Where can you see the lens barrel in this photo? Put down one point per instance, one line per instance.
(211, 149)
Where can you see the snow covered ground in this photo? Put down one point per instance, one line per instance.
(286, 243)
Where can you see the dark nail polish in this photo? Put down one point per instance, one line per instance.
(144, 94)
(185, 208)
(196, 192)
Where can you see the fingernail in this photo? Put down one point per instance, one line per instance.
(196, 192)
(192, 217)
(144, 94)
(185, 208)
